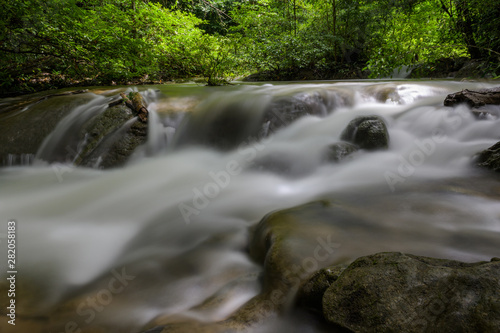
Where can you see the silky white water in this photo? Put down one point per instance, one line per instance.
(176, 220)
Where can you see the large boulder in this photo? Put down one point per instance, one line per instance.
(395, 292)
(367, 132)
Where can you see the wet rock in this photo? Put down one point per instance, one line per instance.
(291, 244)
(228, 124)
(286, 110)
(474, 99)
(490, 158)
(367, 132)
(395, 292)
(339, 151)
(310, 294)
(291, 237)
(222, 126)
(25, 125)
(115, 150)
(110, 138)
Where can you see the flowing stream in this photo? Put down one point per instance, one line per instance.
(169, 230)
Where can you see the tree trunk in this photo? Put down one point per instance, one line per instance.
(334, 17)
(465, 26)
(295, 17)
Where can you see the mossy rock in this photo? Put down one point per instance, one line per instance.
(367, 132)
(395, 292)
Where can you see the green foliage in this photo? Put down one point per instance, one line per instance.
(433, 30)
(218, 59)
(411, 39)
(101, 41)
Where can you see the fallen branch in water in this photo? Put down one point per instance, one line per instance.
(137, 105)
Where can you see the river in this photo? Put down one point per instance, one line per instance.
(111, 250)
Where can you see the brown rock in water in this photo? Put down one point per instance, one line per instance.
(474, 99)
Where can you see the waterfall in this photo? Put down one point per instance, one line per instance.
(176, 218)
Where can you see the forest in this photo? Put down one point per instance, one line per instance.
(47, 44)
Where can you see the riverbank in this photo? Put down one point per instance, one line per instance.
(446, 68)
(461, 68)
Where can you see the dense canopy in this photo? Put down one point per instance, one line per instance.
(63, 42)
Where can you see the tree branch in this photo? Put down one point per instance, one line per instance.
(443, 6)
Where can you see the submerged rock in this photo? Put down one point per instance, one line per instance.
(367, 132)
(490, 158)
(395, 292)
(338, 151)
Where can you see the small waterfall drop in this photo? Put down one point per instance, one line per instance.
(174, 222)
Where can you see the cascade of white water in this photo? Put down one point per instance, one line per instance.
(178, 221)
